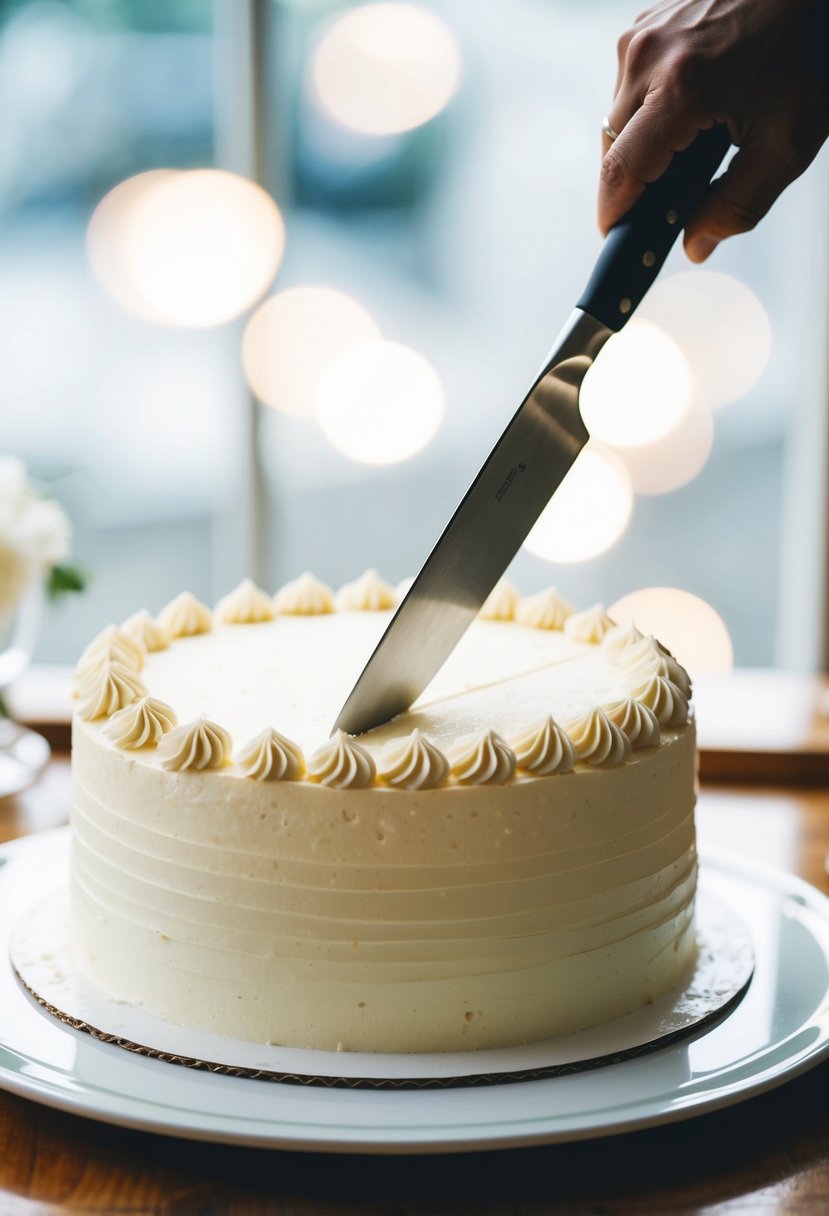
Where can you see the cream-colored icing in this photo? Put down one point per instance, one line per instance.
(666, 700)
(143, 723)
(110, 645)
(201, 744)
(146, 631)
(591, 625)
(501, 603)
(636, 720)
(242, 918)
(617, 641)
(342, 764)
(649, 658)
(677, 674)
(107, 689)
(304, 596)
(544, 750)
(379, 917)
(482, 759)
(246, 604)
(271, 757)
(598, 741)
(544, 610)
(412, 763)
(368, 593)
(185, 616)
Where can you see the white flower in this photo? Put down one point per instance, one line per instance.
(44, 532)
(34, 534)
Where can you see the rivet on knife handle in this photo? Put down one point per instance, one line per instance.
(636, 247)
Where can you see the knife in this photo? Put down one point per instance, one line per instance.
(534, 453)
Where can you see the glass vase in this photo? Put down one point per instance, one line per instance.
(23, 752)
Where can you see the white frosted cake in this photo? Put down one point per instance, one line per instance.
(512, 859)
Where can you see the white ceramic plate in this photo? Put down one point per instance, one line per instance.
(778, 1030)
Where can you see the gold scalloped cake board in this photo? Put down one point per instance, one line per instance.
(725, 963)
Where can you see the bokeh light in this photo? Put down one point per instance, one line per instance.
(385, 68)
(589, 511)
(192, 248)
(639, 388)
(380, 403)
(673, 461)
(686, 624)
(720, 326)
(294, 337)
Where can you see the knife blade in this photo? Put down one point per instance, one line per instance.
(532, 456)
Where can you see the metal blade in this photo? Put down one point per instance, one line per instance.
(520, 475)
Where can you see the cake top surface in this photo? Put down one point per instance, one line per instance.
(258, 681)
(295, 672)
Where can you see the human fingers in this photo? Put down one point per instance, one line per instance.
(619, 113)
(609, 135)
(633, 55)
(622, 109)
(641, 154)
(736, 202)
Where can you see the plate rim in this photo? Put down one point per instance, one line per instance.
(319, 1136)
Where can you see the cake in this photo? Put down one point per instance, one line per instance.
(512, 859)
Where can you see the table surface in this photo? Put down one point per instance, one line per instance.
(767, 1155)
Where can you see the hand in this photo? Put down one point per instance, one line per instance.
(757, 65)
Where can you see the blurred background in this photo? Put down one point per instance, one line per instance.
(274, 275)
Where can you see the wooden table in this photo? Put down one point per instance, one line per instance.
(767, 1155)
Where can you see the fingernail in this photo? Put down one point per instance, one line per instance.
(701, 247)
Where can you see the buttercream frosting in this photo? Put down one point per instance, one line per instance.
(589, 626)
(668, 702)
(649, 658)
(412, 763)
(544, 610)
(617, 641)
(107, 689)
(304, 596)
(544, 749)
(482, 759)
(598, 741)
(185, 616)
(201, 744)
(378, 915)
(271, 757)
(140, 724)
(636, 720)
(368, 593)
(342, 764)
(146, 631)
(246, 604)
(110, 645)
(501, 603)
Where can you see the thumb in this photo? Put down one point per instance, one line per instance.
(738, 200)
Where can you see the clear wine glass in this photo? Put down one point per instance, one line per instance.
(23, 753)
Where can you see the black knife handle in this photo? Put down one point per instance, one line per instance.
(636, 247)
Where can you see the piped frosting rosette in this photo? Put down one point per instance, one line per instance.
(271, 757)
(413, 763)
(652, 694)
(598, 741)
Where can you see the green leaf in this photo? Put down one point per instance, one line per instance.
(63, 580)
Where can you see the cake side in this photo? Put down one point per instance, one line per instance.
(296, 917)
